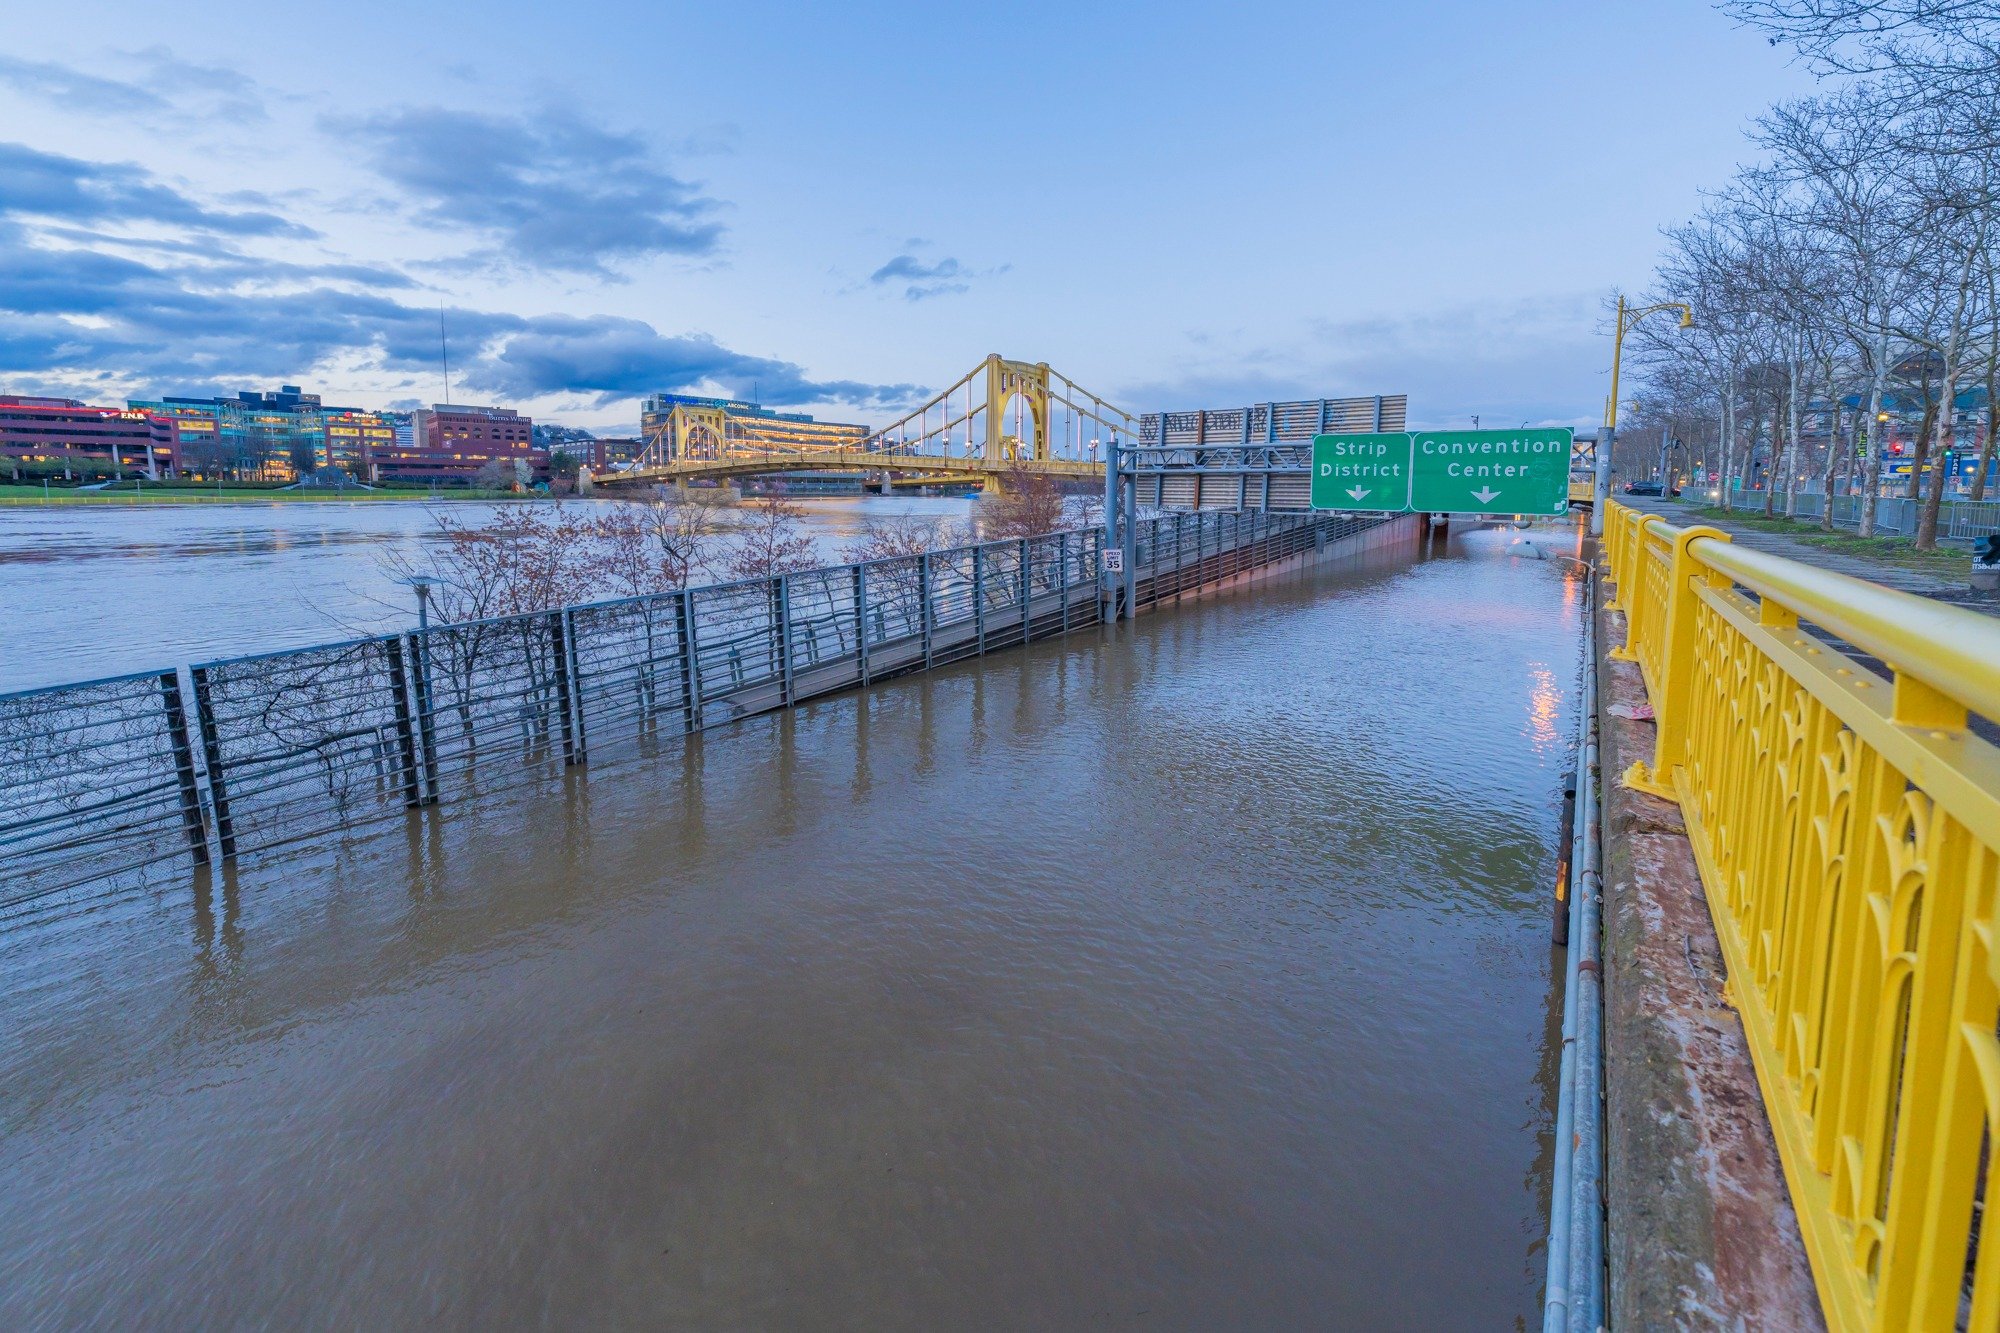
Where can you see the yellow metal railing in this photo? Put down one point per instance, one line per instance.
(1846, 820)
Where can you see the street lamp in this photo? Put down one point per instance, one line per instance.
(1601, 486)
(423, 583)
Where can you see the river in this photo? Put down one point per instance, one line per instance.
(94, 592)
(1187, 973)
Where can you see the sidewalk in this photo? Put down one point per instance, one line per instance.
(1682, 514)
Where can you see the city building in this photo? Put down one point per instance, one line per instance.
(249, 437)
(355, 439)
(452, 442)
(40, 435)
(684, 426)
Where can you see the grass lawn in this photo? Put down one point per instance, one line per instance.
(1946, 562)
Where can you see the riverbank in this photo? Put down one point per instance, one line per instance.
(146, 498)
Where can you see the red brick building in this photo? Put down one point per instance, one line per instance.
(452, 443)
(40, 435)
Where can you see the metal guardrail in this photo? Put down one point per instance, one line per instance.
(1846, 822)
(237, 756)
(1895, 515)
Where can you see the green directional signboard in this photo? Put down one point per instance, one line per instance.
(1489, 471)
(1368, 473)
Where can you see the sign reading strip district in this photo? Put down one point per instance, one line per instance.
(1365, 473)
(1489, 471)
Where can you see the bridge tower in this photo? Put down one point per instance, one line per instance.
(1005, 381)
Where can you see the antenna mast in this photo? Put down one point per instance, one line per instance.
(444, 354)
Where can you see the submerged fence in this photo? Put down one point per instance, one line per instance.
(241, 755)
(1846, 822)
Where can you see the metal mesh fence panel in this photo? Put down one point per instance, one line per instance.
(298, 743)
(94, 778)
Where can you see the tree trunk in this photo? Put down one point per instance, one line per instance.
(1776, 457)
(1986, 445)
(1921, 450)
(1720, 472)
(1833, 452)
(1871, 463)
(1927, 521)
(1792, 425)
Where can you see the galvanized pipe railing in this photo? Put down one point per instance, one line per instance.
(1574, 1294)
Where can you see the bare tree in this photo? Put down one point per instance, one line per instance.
(768, 540)
(896, 536)
(1029, 504)
(658, 545)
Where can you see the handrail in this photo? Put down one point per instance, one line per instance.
(1846, 825)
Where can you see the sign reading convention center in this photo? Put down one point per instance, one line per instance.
(1369, 473)
(1489, 471)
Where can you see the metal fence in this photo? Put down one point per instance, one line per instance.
(1895, 515)
(236, 756)
(1846, 823)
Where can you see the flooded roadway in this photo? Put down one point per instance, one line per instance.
(1188, 974)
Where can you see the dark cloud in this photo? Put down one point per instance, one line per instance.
(69, 189)
(76, 312)
(923, 279)
(623, 357)
(73, 90)
(551, 191)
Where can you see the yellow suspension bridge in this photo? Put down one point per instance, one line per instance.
(1058, 428)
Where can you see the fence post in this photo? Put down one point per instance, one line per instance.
(1632, 586)
(781, 603)
(406, 740)
(1062, 576)
(979, 596)
(559, 646)
(1027, 586)
(861, 619)
(420, 675)
(690, 664)
(211, 755)
(924, 603)
(1676, 676)
(177, 735)
(576, 685)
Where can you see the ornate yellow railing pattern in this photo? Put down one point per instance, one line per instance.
(1845, 818)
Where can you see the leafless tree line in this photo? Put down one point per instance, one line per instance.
(539, 556)
(1852, 266)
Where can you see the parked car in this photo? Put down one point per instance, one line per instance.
(1644, 488)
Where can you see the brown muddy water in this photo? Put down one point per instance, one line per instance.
(1187, 974)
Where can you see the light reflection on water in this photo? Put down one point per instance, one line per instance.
(1191, 973)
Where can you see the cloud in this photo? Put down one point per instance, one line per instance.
(103, 316)
(73, 90)
(616, 358)
(69, 189)
(942, 278)
(549, 191)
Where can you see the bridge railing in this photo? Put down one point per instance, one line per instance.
(242, 755)
(1827, 742)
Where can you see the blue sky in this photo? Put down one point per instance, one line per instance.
(837, 206)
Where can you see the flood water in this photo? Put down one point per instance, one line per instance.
(90, 592)
(1191, 973)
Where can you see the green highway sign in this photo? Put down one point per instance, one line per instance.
(1487, 471)
(1368, 473)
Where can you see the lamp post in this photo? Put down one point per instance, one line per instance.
(422, 583)
(1600, 489)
